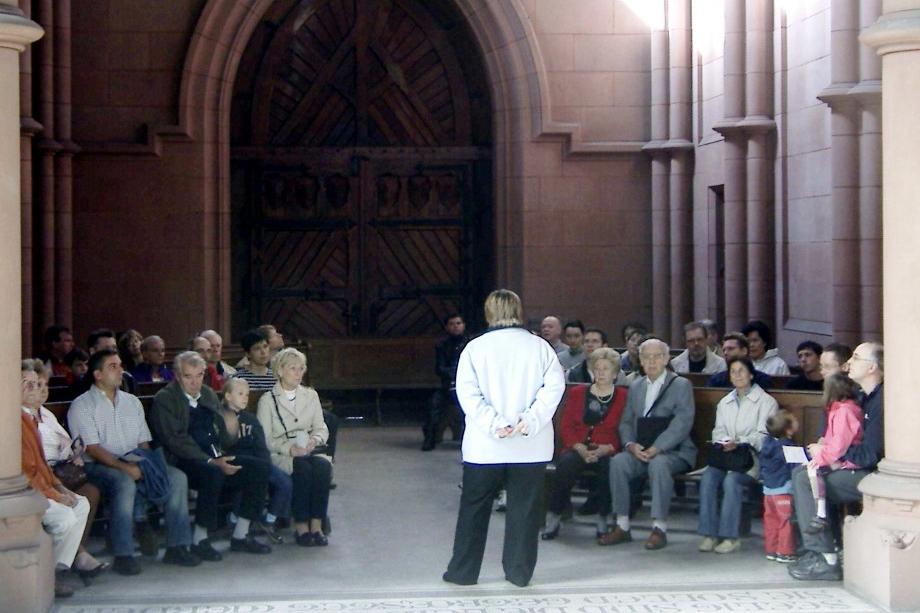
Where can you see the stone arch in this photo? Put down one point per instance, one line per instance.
(521, 112)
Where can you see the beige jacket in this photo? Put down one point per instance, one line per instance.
(281, 423)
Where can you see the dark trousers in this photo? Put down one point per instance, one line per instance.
(569, 469)
(524, 484)
(332, 424)
(841, 487)
(312, 476)
(251, 481)
(439, 400)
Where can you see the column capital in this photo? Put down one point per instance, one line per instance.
(16, 30)
(894, 32)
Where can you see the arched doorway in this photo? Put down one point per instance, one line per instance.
(360, 169)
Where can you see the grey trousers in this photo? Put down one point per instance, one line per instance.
(840, 488)
(624, 467)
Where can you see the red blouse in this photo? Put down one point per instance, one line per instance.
(572, 428)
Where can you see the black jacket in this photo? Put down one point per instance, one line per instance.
(169, 420)
(872, 448)
(447, 354)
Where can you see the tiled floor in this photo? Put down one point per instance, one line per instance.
(393, 516)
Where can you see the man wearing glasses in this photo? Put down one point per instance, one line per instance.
(655, 432)
(820, 561)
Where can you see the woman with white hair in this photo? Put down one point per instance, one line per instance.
(509, 383)
(296, 434)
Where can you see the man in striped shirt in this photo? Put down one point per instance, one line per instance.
(257, 373)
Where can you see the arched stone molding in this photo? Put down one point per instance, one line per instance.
(521, 113)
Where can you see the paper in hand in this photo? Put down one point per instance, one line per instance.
(795, 455)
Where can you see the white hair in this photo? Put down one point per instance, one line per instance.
(188, 357)
(652, 343)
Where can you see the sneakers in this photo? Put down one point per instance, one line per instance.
(206, 551)
(708, 544)
(784, 558)
(813, 567)
(816, 525)
(180, 556)
(728, 546)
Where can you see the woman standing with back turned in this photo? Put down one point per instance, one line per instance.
(509, 383)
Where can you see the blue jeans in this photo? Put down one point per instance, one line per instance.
(121, 491)
(725, 521)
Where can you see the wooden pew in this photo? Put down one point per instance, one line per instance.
(701, 380)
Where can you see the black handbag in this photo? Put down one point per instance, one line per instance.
(739, 460)
(72, 476)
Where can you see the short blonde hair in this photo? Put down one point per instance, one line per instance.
(231, 384)
(284, 357)
(605, 353)
(503, 308)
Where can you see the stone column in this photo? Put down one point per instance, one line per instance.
(882, 552)
(26, 570)
(63, 167)
(30, 127)
(48, 148)
(845, 319)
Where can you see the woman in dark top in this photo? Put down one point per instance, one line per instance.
(588, 430)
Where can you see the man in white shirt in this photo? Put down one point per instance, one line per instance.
(509, 384)
(655, 433)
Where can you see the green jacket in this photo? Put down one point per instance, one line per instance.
(169, 422)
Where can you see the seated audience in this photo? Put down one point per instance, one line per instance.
(697, 357)
(153, 369)
(257, 371)
(741, 419)
(112, 426)
(760, 338)
(77, 360)
(834, 359)
(215, 357)
(447, 354)
(181, 415)
(202, 347)
(551, 331)
(588, 430)
(57, 342)
(275, 343)
(65, 517)
(129, 349)
(99, 339)
(632, 338)
(713, 336)
(811, 379)
(655, 434)
(574, 332)
(594, 339)
(64, 456)
(292, 418)
(735, 344)
(776, 474)
(244, 436)
(820, 561)
(844, 428)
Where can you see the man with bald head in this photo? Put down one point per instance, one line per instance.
(820, 562)
(551, 331)
(216, 357)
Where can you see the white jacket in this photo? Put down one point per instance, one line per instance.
(503, 376)
(772, 364)
(745, 421)
(714, 364)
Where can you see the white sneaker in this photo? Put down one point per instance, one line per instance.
(707, 544)
(728, 546)
(501, 503)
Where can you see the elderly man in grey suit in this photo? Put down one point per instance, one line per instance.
(655, 433)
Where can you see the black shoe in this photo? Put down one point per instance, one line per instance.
(816, 569)
(327, 526)
(206, 552)
(146, 538)
(517, 582)
(551, 534)
(87, 575)
(305, 539)
(180, 556)
(319, 539)
(126, 565)
(333, 485)
(249, 545)
(428, 445)
(449, 579)
(805, 558)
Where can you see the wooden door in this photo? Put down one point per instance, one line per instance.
(361, 169)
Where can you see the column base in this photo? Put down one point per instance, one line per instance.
(26, 563)
(882, 546)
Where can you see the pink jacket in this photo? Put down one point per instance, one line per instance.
(844, 428)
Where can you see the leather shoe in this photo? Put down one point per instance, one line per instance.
(126, 565)
(180, 556)
(305, 539)
(249, 545)
(656, 540)
(815, 568)
(616, 536)
(206, 552)
(550, 534)
(319, 539)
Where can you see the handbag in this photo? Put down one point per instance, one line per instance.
(72, 476)
(739, 460)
